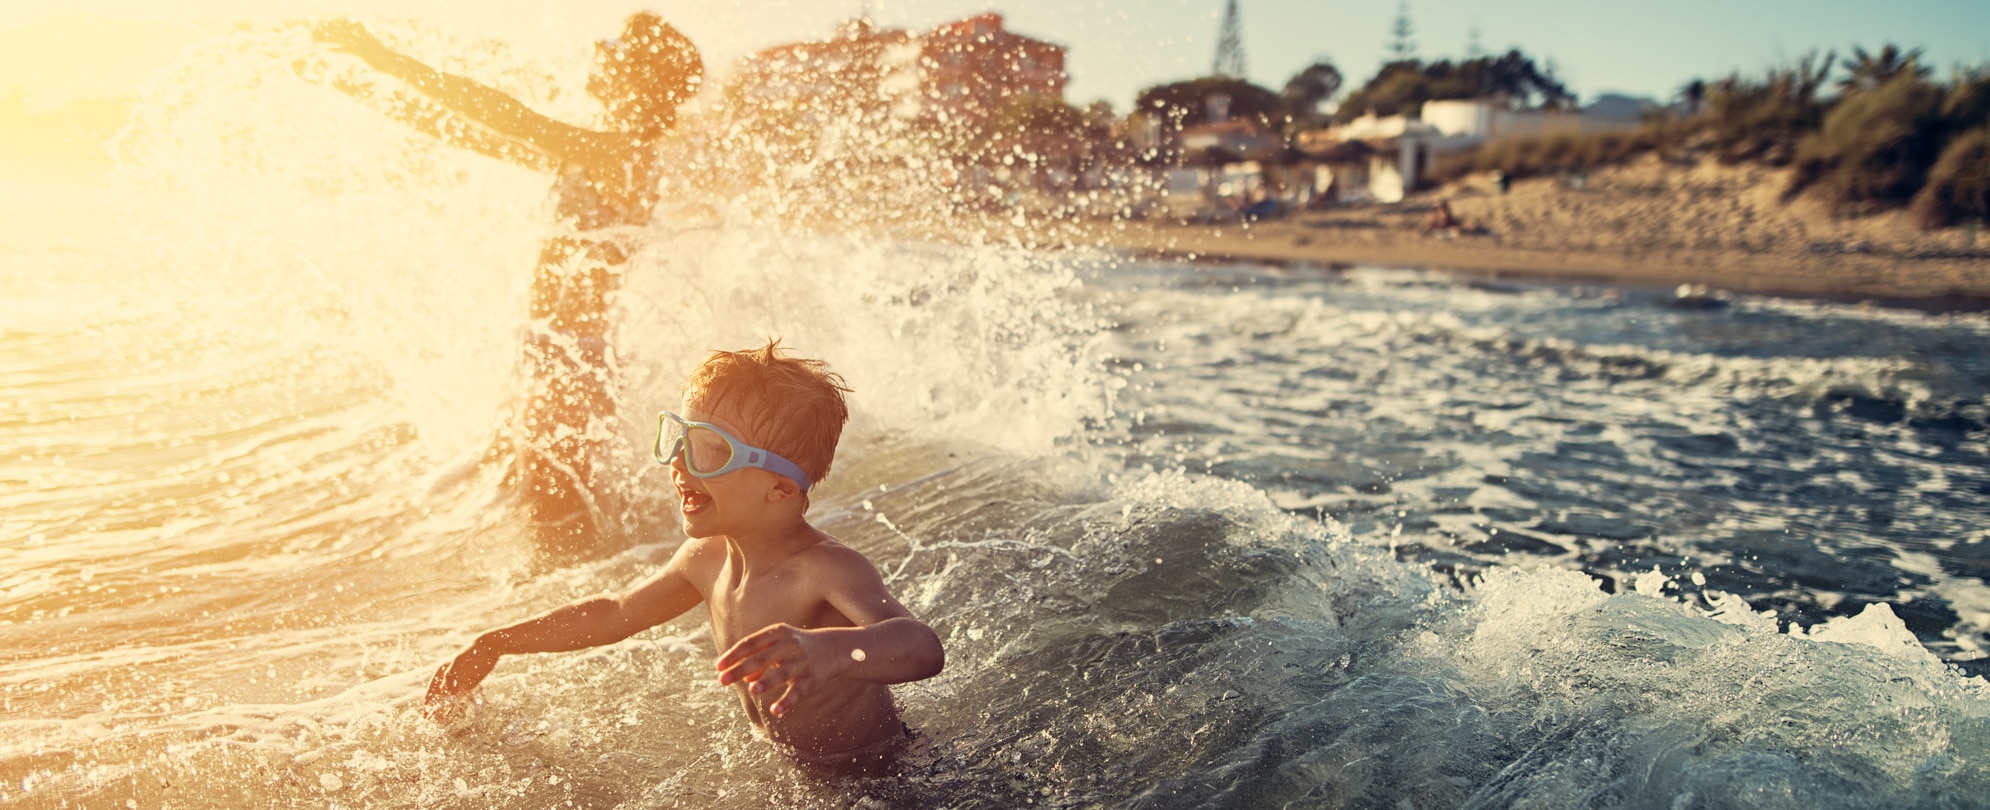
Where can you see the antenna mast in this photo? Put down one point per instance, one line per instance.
(1230, 44)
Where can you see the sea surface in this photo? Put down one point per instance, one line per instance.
(1194, 534)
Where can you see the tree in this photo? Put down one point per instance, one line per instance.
(1868, 71)
(1763, 119)
(1402, 87)
(1402, 47)
(1308, 89)
(1181, 105)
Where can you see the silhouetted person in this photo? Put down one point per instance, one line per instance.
(1441, 220)
(606, 187)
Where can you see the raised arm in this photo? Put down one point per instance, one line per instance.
(507, 119)
(431, 119)
(578, 626)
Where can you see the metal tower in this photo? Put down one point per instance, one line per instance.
(1230, 44)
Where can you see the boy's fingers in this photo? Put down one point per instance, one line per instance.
(746, 647)
(748, 668)
(789, 699)
(757, 641)
(761, 666)
(739, 663)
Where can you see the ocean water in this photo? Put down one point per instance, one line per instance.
(1194, 534)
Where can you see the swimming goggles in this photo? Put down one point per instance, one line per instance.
(709, 451)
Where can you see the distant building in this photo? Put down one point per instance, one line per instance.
(972, 67)
(861, 70)
(961, 71)
(1241, 138)
(1395, 152)
(1488, 121)
(1379, 158)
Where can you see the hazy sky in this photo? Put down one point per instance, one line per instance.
(1118, 46)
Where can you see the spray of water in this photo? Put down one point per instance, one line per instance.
(350, 295)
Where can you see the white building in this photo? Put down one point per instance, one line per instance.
(1402, 148)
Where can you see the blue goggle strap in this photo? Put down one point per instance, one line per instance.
(743, 455)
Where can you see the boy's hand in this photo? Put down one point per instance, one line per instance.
(454, 679)
(780, 655)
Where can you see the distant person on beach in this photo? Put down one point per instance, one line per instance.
(606, 189)
(1443, 222)
(811, 637)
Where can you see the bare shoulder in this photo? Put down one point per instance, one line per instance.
(699, 558)
(849, 582)
(831, 557)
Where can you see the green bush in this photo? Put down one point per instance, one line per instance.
(1958, 187)
(1875, 146)
(1892, 137)
(1746, 119)
(1968, 101)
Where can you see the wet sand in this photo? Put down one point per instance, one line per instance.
(1651, 222)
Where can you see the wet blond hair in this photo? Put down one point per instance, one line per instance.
(794, 405)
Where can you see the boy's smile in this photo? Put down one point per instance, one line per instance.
(693, 499)
(717, 505)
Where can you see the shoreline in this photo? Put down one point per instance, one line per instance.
(1651, 223)
(1719, 272)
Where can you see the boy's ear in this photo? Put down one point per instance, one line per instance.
(783, 489)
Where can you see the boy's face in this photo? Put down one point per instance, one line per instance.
(726, 504)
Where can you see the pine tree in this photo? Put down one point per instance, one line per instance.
(1402, 47)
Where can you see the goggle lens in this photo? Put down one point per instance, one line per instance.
(705, 451)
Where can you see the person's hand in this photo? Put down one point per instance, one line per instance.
(780, 657)
(454, 679)
(347, 36)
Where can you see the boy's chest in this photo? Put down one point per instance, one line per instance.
(743, 606)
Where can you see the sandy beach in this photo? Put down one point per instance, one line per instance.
(1651, 222)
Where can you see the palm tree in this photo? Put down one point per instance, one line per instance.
(1870, 70)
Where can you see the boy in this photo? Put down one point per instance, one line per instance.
(606, 190)
(811, 636)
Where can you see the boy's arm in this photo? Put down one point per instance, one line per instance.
(587, 623)
(432, 119)
(889, 645)
(487, 106)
